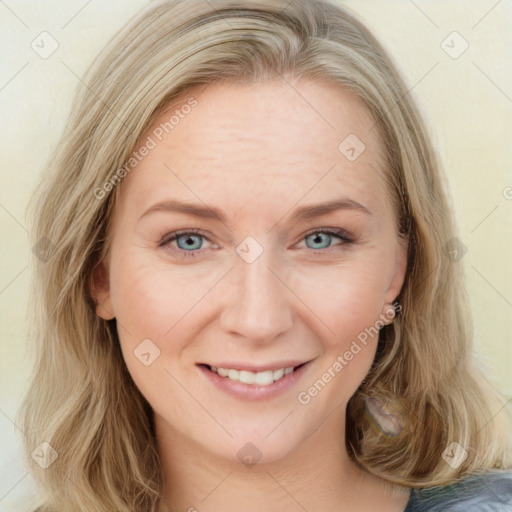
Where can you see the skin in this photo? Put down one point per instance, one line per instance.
(257, 153)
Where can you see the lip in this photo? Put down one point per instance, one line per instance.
(254, 391)
(258, 368)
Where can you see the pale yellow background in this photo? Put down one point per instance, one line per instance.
(467, 103)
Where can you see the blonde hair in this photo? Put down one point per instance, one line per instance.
(82, 400)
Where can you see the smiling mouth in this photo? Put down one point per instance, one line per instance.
(263, 378)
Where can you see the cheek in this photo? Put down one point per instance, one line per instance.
(349, 300)
(346, 298)
(351, 307)
(151, 304)
(150, 298)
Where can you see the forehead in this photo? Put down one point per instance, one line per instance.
(260, 143)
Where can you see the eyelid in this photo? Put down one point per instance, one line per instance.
(339, 232)
(166, 239)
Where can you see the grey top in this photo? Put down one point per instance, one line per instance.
(486, 492)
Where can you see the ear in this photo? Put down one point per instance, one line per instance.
(100, 291)
(397, 280)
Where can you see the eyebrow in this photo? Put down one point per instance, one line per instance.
(302, 213)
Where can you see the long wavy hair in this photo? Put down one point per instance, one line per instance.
(82, 400)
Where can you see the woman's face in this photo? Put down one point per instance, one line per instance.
(291, 259)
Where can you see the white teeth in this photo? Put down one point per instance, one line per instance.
(223, 372)
(246, 377)
(278, 374)
(264, 378)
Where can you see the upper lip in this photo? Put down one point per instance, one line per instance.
(258, 368)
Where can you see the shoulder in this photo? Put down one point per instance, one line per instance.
(483, 492)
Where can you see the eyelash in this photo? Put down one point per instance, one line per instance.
(171, 237)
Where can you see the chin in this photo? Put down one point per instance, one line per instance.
(260, 451)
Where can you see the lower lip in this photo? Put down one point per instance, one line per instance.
(254, 391)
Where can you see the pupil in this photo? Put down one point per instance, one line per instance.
(320, 238)
(190, 241)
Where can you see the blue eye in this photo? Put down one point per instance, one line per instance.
(189, 243)
(322, 239)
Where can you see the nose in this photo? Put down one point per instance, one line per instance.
(256, 303)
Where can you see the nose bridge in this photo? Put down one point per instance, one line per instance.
(257, 305)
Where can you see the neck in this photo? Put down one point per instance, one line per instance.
(317, 476)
